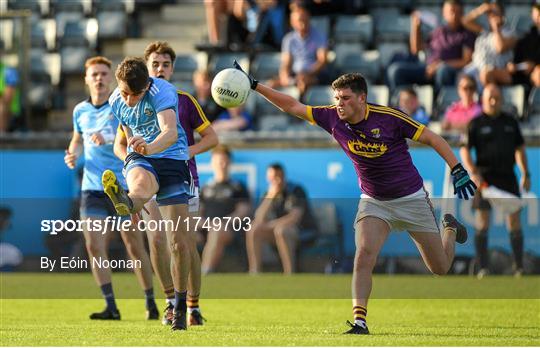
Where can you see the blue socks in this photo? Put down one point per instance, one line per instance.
(108, 294)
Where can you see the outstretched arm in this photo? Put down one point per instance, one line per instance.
(282, 101)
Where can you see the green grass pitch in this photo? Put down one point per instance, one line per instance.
(273, 310)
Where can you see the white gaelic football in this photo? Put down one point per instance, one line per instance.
(230, 88)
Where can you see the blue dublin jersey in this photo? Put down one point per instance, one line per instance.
(143, 121)
(87, 120)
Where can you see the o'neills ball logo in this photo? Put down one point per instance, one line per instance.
(226, 92)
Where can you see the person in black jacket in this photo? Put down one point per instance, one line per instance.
(284, 217)
(499, 145)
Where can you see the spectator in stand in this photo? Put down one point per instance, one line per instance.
(266, 23)
(222, 119)
(526, 66)
(222, 197)
(203, 82)
(225, 20)
(10, 106)
(233, 119)
(460, 113)
(448, 50)
(409, 104)
(283, 218)
(303, 54)
(493, 49)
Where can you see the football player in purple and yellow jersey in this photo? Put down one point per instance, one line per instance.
(393, 196)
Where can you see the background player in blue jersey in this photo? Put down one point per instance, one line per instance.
(156, 164)
(160, 58)
(393, 196)
(94, 130)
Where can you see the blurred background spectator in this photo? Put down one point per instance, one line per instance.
(202, 83)
(408, 103)
(10, 255)
(283, 218)
(525, 68)
(448, 49)
(493, 48)
(461, 112)
(222, 197)
(10, 105)
(303, 54)
(233, 119)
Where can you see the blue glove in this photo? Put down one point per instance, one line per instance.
(463, 185)
(252, 80)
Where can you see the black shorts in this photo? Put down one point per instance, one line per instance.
(507, 183)
(176, 185)
(96, 204)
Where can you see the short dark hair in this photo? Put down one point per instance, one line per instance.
(409, 91)
(134, 73)
(469, 78)
(159, 47)
(277, 167)
(222, 149)
(355, 81)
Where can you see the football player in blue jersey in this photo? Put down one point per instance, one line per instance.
(156, 164)
(94, 131)
(160, 57)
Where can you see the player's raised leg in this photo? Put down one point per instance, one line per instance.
(437, 252)
(370, 234)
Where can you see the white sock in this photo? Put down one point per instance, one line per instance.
(191, 310)
(170, 301)
(360, 322)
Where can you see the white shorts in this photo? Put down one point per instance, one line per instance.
(193, 202)
(413, 213)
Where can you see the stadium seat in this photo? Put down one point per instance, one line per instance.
(83, 6)
(273, 122)
(40, 92)
(186, 64)
(79, 33)
(127, 6)
(447, 95)
(63, 18)
(112, 24)
(322, 24)
(73, 58)
(534, 103)
(184, 85)
(387, 51)
(394, 29)
(378, 94)
(41, 7)
(222, 61)
(43, 34)
(263, 107)
(350, 29)
(45, 64)
(521, 23)
(266, 65)
(368, 63)
(319, 95)
(329, 239)
(514, 100)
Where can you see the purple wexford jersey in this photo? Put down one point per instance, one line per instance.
(192, 119)
(377, 148)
